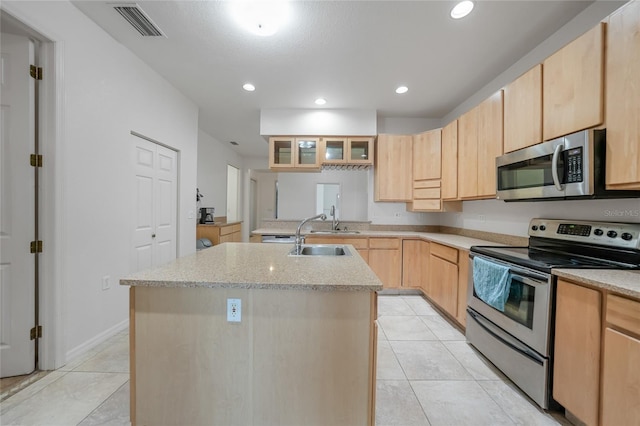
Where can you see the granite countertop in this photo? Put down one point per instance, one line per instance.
(260, 266)
(453, 240)
(220, 223)
(618, 281)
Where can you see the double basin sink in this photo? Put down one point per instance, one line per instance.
(320, 250)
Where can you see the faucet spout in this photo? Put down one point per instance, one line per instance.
(334, 222)
(300, 238)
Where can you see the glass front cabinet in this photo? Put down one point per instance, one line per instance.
(291, 152)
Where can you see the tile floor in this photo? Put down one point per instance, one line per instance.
(427, 375)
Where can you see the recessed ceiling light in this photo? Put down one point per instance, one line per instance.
(462, 9)
(263, 18)
(402, 89)
(249, 87)
(321, 101)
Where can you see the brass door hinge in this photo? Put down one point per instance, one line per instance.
(36, 246)
(36, 332)
(35, 160)
(35, 72)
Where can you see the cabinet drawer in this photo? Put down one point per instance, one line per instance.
(426, 184)
(428, 193)
(426, 205)
(384, 243)
(226, 230)
(623, 313)
(237, 227)
(444, 252)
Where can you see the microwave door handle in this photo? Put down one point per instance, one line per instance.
(554, 168)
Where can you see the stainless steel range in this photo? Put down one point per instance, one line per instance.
(511, 309)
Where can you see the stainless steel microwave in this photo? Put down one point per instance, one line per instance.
(571, 166)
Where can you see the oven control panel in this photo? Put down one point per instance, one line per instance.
(624, 235)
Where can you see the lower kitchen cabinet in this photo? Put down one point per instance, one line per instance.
(463, 285)
(415, 264)
(576, 378)
(620, 374)
(443, 283)
(385, 259)
(220, 233)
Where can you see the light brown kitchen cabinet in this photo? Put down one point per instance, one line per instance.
(623, 98)
(385, 259)
(523, 110)
(360, 150)
(572, 85)
(299, 153)
(490, 132)
(334, 150)
(463, 285)
(220, 233)
(393, 179)
(449, 167)
(620, 374)
(480, 134)
(281, 152)
(415, 264)
(576, 373)
(347, 150)
(427, 148)
(468, 154)
(443, 277)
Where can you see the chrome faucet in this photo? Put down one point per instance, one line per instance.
(300, 238)
(334, 222)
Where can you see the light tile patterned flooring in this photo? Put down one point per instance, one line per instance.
(427, 375)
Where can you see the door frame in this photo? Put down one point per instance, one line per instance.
(50, 56)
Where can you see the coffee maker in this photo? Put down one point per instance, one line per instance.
(206, 215)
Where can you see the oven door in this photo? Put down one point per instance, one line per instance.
(527, 312)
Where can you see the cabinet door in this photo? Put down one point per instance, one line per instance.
(463, 285)
(415, 261)
(623, 98)
(443, 282)
(334, 150)
(523, 111)
(620, 379)
(281, 152)
(360, 150)
(468, 154)
(449, 167)
(307, 153)
(427, 151)
(576, 380)
(572, 85)
(393, 172)
(387, 265)
(489, 143)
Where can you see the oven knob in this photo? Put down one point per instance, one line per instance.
(626, 236)
(598, 232)
(534, 228)
(542, 227)
(612, 234)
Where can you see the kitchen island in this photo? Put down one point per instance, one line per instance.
(304, 351)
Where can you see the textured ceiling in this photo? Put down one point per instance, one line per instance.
(353, 53)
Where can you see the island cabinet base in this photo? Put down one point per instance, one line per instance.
(298, 357)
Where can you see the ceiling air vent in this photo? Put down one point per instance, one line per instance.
(139, 20)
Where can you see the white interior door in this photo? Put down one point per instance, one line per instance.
(233, 178)
(155, 204)
(17, 208)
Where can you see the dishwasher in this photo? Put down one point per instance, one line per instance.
(282, 239)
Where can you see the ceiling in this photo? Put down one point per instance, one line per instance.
(353, 53)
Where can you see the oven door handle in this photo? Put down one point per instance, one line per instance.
(539, 279)
(554, 168)
(528, 279)
(511, 343)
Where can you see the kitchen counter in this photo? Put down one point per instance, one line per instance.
(219, 224)
(296, 319)
(623, 282)
(260, 266)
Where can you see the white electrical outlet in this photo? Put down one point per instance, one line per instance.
(234, 310)
(106, 282)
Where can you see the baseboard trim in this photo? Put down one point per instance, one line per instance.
(96, 340)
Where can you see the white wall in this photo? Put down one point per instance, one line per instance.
(213, 158)
(513, 218)
(327, 122)
(406, 125)
(108, 92)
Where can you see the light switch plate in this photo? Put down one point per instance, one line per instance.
(234, 310)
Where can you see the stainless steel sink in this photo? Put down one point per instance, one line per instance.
(321, 250)
(335, 232)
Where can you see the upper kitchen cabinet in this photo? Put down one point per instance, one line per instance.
(360, 150)
(480, 135)
(301, 153)
(335, 150)
(623, 98)
(523, 110)
(572, 87)
(449, 168)
(393, 168)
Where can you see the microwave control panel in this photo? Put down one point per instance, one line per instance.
(574, 165)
